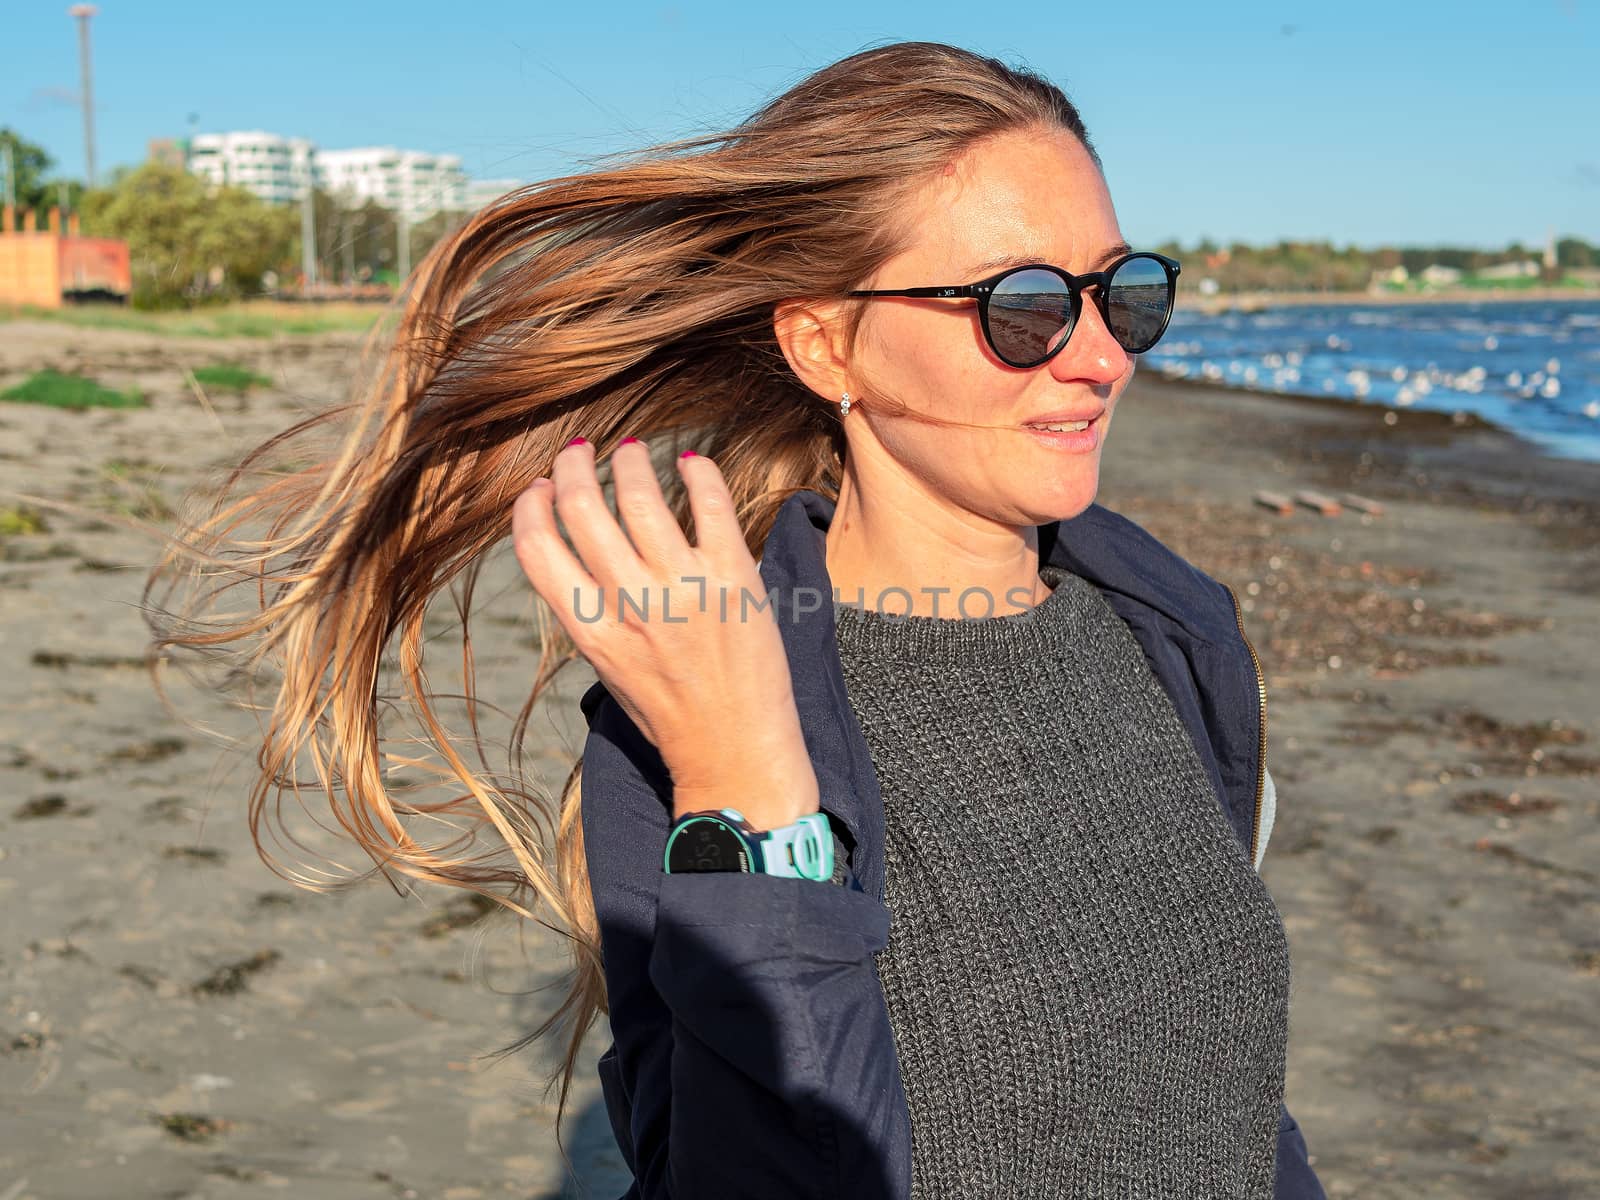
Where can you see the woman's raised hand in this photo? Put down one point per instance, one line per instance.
(682, 636)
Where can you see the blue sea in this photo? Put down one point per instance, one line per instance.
(1529, 366)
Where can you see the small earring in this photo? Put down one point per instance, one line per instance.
(844, 406)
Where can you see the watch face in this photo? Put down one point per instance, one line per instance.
(707, 845)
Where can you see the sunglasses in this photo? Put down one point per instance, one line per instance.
(1029, 312)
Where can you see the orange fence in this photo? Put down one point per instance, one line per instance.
(47, 267)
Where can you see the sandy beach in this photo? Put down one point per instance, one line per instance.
(177, 1021)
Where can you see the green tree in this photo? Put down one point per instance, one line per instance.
(358, 242)
(29, 164)
(188, 240)
(429, 231)
(1575, 252)
(67, 194)
(36, 188)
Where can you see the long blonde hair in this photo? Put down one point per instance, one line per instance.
(633, 299)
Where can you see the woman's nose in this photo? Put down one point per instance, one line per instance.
(1091, 352)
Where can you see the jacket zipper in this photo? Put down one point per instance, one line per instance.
(1261, 753)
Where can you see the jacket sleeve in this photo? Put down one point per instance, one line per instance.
(752, 1044)
(1295, 1179)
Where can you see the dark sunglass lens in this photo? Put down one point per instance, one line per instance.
(1030, 313)
(1139, 303)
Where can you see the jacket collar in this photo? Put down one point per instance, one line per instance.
(1158, 593)
(1107, 549)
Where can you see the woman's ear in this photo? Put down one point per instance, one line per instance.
(811, 334)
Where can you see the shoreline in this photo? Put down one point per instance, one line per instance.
(1462, 418)
(1260, 301)
(1351, 445)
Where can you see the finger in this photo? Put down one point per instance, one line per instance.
(717, 532)
(657, 538)
(554, 571)
(606, 552)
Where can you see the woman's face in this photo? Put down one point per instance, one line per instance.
(1034, 197)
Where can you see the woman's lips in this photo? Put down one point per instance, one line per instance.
(1070, 440)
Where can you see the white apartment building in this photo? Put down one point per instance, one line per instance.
(406, 181)
(278, 169)
(275, 168)
(481, 192)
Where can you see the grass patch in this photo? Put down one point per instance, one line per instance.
(19, 519)
(127, 468)
(131, 486)
(229, 377)
(250, 318)
(55, 390)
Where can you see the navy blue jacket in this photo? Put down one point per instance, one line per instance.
(752, 1054)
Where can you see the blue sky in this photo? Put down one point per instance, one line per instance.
(1402, 122)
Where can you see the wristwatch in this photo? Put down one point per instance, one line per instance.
(724, 840)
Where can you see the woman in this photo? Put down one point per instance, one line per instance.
(1001, 748)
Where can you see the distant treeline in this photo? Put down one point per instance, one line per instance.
(1321, 266)
(191, 243)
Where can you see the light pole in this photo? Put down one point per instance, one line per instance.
(308, 232)
(83, 12)
(403, 236)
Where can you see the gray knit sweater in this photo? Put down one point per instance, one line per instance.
(1086, 979)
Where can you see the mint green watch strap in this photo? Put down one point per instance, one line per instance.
(802, 850)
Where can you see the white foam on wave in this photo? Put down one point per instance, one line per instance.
(1520, 366)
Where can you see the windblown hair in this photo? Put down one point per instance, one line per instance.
(635, 299)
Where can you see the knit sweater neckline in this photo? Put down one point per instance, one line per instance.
(1044, 628)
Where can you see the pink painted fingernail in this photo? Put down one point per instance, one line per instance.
(626, 440)
(687, 454)
(578, 441)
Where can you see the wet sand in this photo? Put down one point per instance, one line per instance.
(177, 1021)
